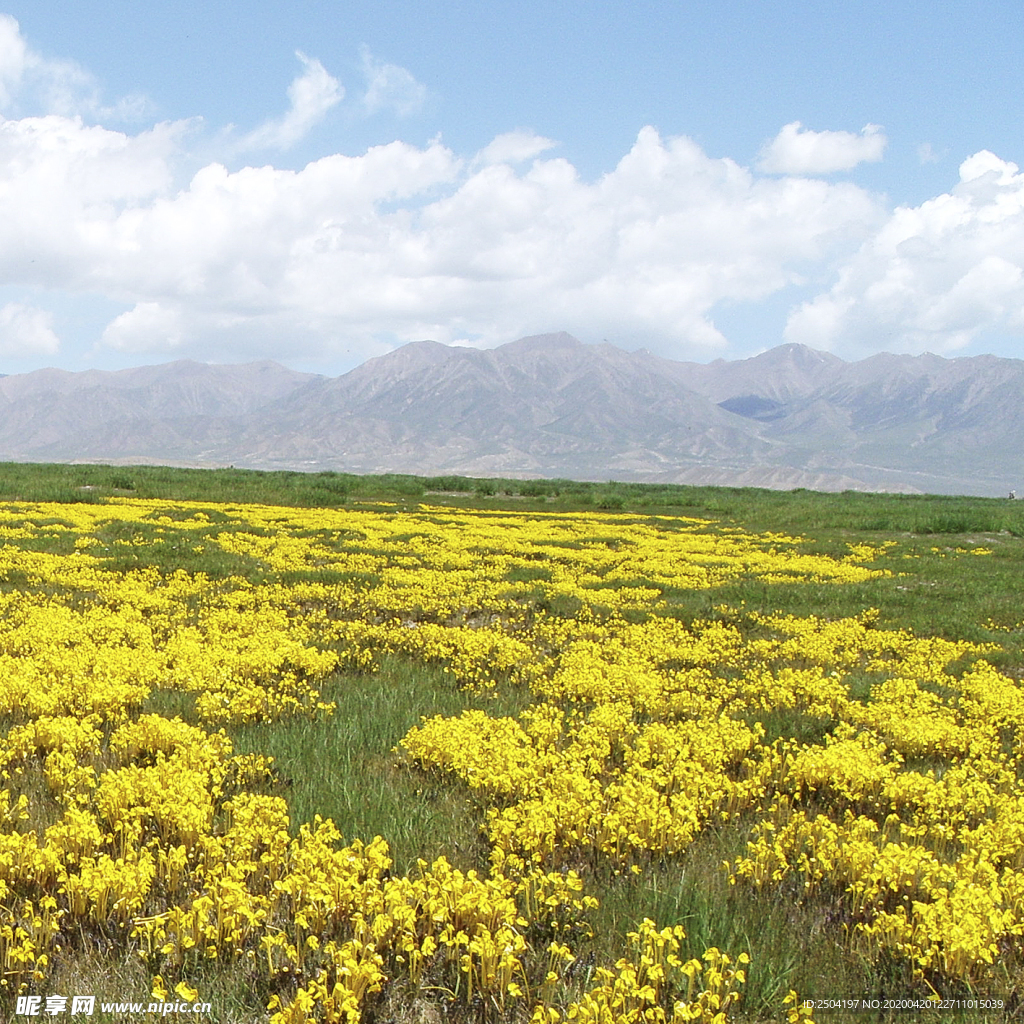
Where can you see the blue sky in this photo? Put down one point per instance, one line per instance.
(317, 182)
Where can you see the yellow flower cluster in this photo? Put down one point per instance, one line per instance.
(595, 782)
(930, 860)
(643, 731)
(635, 989)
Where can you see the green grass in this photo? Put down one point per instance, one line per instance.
(126, 546)
(791, 944)
(345, 767)
(757, 508)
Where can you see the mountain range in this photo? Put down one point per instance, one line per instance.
(550, 406)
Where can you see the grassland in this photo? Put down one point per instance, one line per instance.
(945, 596)
(928, 580)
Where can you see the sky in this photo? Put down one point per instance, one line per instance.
(320, 181)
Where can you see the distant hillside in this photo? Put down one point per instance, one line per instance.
(176, 412)
(551, 406)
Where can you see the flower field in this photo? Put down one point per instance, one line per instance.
(864, 777)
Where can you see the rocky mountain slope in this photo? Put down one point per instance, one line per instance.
(551, 406)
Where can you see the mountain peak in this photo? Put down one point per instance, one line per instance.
(562, 340)
(799, 355)
(412, 356)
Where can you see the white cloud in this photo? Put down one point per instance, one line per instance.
(62, 186)
(48, 86)
(311, 94)
(324, 253)
(13, 58)
(514, 147)
(796, 150)
(986, 166)
(390, 87)
(26, 331)
(404, 242)
(147, 327)
(934, 276)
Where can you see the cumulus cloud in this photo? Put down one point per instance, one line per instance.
(403, 242)
(63, 184)
(514, 147)
(390, 87)
(26, 331)
(147, 327)
(798, 150)
(933, 277)
(312, 94)
(408, 242)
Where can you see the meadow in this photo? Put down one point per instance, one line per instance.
(318, 747)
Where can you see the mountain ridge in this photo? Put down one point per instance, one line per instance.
(550, 405)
